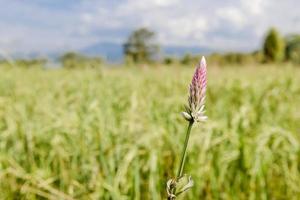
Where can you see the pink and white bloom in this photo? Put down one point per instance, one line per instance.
(195, 110)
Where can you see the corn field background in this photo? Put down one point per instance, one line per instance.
(117, 133)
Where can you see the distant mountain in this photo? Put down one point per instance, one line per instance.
(182, 50)
(109, 51)
(113, 52)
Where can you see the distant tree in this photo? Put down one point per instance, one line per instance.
(141, 46)
(273, 47)
(292, 50)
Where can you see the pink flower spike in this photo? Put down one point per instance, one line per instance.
(195, 109)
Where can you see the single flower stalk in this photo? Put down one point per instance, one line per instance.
(194, 112)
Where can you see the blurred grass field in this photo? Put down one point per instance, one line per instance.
(117, 133)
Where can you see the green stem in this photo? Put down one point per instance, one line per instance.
(183, 156)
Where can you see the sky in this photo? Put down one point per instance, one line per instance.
(47, 26)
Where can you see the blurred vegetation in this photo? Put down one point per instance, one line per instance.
(72, 60)
(187, 59)
(141, 46)
(217, 59)
(25, 63)
(292, 51)
(117, 134)
(233, 58)
(274, 46)
(169, 60)
(77, 136)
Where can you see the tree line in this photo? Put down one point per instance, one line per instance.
(142, 47)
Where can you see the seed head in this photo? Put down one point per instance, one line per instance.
(196, 102)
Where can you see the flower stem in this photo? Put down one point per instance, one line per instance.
(183, 156)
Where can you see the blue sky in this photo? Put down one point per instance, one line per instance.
(55, 25)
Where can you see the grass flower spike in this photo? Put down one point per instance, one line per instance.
(194, 112)
(195, 109)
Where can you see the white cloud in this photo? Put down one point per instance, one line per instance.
(228, 24)
(254, 7)
(164, 2)
(232, 15)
